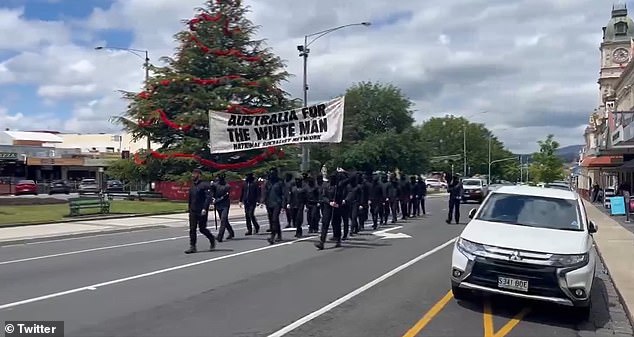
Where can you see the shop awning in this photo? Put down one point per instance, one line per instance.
(602, 161)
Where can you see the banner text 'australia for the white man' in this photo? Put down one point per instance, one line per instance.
(319, 123)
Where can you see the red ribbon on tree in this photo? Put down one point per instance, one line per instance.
(210, 163)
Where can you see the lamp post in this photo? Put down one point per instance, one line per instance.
(497, 161)
(303, 52)
(146, 65)
(464, 142)
(490, 141)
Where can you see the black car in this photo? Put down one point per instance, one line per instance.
(114, 186)
(59, 187)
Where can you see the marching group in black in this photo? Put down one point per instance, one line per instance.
(343, 202)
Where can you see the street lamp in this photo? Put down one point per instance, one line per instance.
(146, 65)
(464, 141)
(490, 140)
(497, 161)
(303, 52)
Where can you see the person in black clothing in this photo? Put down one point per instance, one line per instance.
(297, 199)
(274, 201)
(312, 205)
(385, 185)
(392, 194)
(421, 191)
(377, 203)
(455, 198)
(250, 197)
(288, 184)
(222, 203)
(414, 203)
(364, 211)
(405, 196)
(334, 199)
(353, 202)
(198, 206)
(323, 204)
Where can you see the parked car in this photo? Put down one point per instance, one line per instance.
(59, 186)
(474, 189)
(435, 183)
(26, 187)
(528, 242)
(88, 186)
(114, 186)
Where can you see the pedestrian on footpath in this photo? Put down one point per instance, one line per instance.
(297, 199)
(455, 199)
(274, 201)
(198, 206)
(222, 204)
(250, 197)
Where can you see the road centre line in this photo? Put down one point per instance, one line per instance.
(356, 292)
(139, 276)
(429, 315)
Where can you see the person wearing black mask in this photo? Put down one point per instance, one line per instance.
(364, 211)
(222, 203)
(249, 198)
(353, 202)
(393, 192)
(414, 203)
(288, 185)
(198, 206)
(405, 195)
(274, 201)
(334, 199)
(297, 199)
(377, 202)
(386, 185)
(323, 204)
(421, 191)
(312, 205)
(455, 198)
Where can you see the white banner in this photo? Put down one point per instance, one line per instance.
(320, 123)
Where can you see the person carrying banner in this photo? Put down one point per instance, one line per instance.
(273, 199)
(297, 200)
(333, 199)
(198, 206)
(288, 184)
(312, 195)
(250, 197)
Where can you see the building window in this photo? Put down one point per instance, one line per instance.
(620, 28)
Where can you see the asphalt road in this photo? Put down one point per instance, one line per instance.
(141, 284)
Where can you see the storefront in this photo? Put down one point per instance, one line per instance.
(46, 169)
(11, 166)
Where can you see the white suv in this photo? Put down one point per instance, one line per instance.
(528, 242)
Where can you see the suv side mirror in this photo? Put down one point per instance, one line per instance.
(592, 227)
(472, 213)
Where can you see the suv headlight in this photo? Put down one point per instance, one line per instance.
(560, 260)
(470, 249)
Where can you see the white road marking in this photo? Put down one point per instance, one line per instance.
(156, 272)
(360, 290)
(383, 234)
(92, 250)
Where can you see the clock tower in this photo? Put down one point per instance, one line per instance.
(616, 49)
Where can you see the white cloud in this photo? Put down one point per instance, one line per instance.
(531, 63)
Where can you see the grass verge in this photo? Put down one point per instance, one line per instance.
(12, 215)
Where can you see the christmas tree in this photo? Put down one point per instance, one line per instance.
(217, 67)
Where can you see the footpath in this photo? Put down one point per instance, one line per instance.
(615, 244)
(96, 226)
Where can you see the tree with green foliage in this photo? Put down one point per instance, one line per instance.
(377, 132)
(218, 66)
(444, 136)
(546, 166)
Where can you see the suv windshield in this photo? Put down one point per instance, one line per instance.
(532, 211)
(471, 183)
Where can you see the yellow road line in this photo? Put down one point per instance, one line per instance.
(487, 318)
(420, 325)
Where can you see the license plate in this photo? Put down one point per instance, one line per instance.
(512, 283)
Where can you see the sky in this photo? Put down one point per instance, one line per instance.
(532, 65)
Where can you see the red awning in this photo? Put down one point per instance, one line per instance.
(602, 161)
